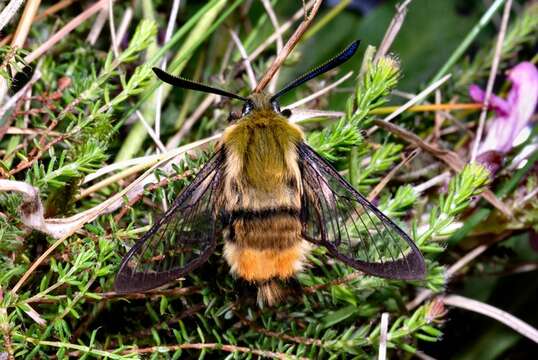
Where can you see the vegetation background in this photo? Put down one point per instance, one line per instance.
(106, 148)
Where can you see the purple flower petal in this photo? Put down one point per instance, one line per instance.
(514, 113)
(495, 103)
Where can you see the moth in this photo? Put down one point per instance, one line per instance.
(270, 197)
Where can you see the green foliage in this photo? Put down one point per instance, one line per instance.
(66, 307)
(11, 62)
(335, 141)
(461, 191)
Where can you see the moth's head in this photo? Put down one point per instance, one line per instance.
(259, 101)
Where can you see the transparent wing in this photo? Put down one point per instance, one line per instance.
(336, 216)
(181, 240)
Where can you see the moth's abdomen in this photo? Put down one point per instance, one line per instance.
(264, 244)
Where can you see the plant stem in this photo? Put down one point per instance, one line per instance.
(423, 108)
(203, 28)
(460, 50)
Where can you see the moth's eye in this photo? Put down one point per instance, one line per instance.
(276, 106)
(286, 113)
(247, 108)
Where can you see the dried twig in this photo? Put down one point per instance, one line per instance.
(168, 35)
(9, 11)
(491, 79)
(62, 33)
(420, 96)
(60, 5)
(292, 42)
(495, 313)
(279, 41)
(97, 27)
(246, 62)
(27, 18)
(449, 157)
(271, 39)
(384, 327)
(393, 30)
(214, 346)
(319, 93)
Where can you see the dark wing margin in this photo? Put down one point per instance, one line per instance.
(338, 217)
(181, 240)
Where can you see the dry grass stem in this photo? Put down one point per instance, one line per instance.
(151, 132)
(246, 62)
(491, 79)
(9, 11)
(419, 97)
(449, 157)
(437, 180)
(393, 30)
(191, 120)
(271, 39)
(27, 18)
(279, 41)
(124, 24)
(60, 5)
(320, 92)
(384, 327)
(287, 49)
(112, 28)
(438, 116)
(64, 31)
(147, 160)
(97, 27)
(495, 313)
(168, 34)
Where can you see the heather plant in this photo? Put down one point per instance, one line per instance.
(93, 149)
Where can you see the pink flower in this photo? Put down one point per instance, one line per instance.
(512, 114)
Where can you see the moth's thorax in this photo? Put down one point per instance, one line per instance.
(261, 148)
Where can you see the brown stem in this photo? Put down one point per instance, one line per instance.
(150, 187)
(292, 42)
(25, 23)
(214, 346)
(449, 157)
(62, 33)
(50, 11)
(5, 328)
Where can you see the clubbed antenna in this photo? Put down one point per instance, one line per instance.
(338, 60)
(192, 85)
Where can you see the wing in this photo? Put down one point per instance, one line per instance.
(336, 216)
(181, 240)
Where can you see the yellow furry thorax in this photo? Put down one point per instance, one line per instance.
(262, 143)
